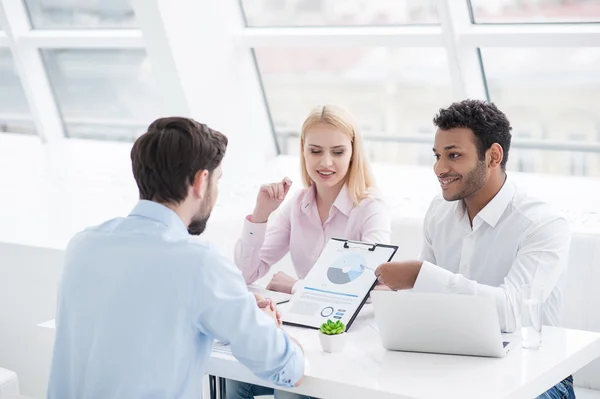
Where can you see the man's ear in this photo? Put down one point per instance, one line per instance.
(200, 183)
(495, 156)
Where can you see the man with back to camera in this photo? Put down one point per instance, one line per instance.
(141, 301)
(484, 235)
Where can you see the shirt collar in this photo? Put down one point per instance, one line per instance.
(495, 208)
(308, 199)
(159, 213)
(342, 203)
(492, 212)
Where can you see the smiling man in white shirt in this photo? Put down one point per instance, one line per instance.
(484, 235)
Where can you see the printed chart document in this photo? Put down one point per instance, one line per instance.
(339, 283)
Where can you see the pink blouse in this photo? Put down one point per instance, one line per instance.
(297, 228)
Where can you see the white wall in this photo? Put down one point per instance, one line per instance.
(28, 287)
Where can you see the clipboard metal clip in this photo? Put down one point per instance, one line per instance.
(358, 244)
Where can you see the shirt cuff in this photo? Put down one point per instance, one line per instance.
(253, 233)
(289, 376)
(297, 285)
(432, 278)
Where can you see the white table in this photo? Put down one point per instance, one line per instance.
(365, 369)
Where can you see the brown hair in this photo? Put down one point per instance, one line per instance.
(166, 159)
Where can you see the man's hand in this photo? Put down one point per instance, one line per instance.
(399, 275)
(381, 287)
(281, 282)
(270, 308)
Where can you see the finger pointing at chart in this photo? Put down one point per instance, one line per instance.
(399, 275)
(337, 285)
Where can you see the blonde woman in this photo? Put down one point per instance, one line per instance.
(338, 200)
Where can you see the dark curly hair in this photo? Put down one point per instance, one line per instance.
(167, 157)
(487, 122)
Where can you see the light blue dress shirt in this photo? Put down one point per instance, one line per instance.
(140, 304)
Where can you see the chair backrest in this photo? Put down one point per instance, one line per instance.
(9, 384)
(582, 297)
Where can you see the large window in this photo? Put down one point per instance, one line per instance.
(392, 63)
(549, 94)
(391, 91)
(339, 12)
(535, 11)
(69, 14)
(15, 116)
(106, 94)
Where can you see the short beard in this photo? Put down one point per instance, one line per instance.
(474, 181)
(198, 226)
(198, 223)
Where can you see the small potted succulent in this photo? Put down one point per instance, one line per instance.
(332, 336)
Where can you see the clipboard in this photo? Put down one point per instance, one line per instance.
(339, 283)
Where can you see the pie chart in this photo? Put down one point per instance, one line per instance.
(346, 268)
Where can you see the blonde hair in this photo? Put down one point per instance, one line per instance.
(359, 178)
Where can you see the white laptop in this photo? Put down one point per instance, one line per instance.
(439, 323)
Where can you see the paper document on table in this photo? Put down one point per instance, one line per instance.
(278, 297)
(338, 284)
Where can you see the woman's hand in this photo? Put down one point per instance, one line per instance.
(269, 197)
(281, 282)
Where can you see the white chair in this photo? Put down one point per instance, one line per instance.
(9, 384)
(582, 393)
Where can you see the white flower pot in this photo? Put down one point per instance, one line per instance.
(332, 343)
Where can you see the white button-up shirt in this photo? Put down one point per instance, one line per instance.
(514, 240)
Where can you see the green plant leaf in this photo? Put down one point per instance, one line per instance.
(331, 327)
